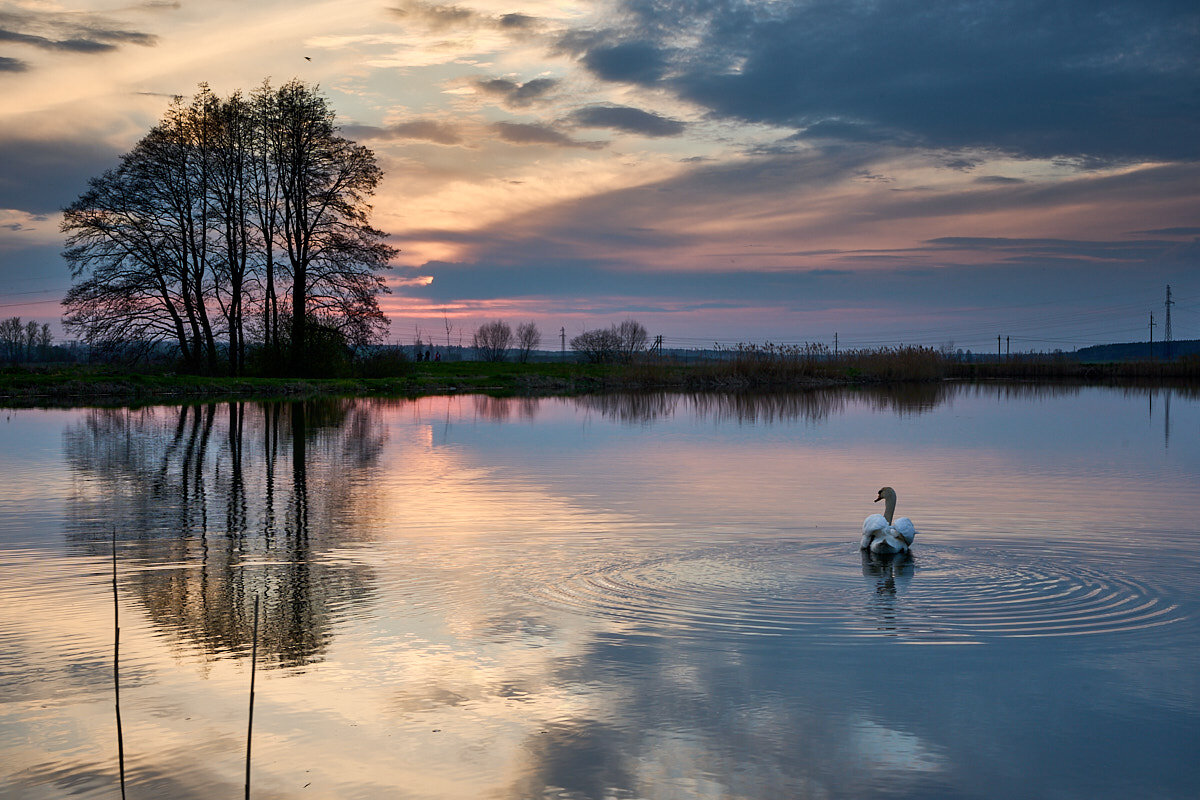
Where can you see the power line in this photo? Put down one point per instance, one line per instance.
(29, 303)
(1167, 339)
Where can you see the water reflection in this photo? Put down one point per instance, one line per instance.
(766, 408)
(500, 409)
(813, 405)
(886, 570)
(214, 504)
(615, 601)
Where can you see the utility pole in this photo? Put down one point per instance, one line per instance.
(998, 353)
(562, 332)
(835, 344)
(1167, 338)
(1007, 346)
(1151, 335)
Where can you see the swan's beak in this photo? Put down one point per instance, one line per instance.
(877, 499)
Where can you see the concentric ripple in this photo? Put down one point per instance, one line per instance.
(939, 596)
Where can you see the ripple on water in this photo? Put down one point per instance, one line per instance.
(836, 595)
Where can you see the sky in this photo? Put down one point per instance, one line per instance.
(933, 172)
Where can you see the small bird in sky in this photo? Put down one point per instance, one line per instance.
(306, 58)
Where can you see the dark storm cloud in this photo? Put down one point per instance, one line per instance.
(1108, 80)
(12, 64)
(534, 133)
(419, 129)
(629, 120)
(517, 95)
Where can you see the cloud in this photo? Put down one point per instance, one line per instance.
(61, 32)
(517, 95)
(632, 62)
(729, 232)
(1183, 231)
(433, 15)
(845, 131)
(518, 21)
(998, 179)
(535, 133)
(1142, 251)
(1114, 80)
(629, 120)
(441, 17)
(420, 129)
(12, 64)
(68, 45)
(45, 174)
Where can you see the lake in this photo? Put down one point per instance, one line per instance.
(650, 596)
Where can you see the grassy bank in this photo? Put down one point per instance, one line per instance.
(88, 385)
(747, 368)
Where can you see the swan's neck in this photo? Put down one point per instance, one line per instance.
(890, 507)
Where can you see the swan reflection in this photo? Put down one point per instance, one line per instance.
(888, 570)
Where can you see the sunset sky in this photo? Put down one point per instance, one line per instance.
(926, 172)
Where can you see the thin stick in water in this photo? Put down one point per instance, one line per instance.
(117, 666)
(250, 724)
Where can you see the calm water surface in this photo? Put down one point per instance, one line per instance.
(607, 597)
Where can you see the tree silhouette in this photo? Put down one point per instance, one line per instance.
(179, 243)
(492, 340)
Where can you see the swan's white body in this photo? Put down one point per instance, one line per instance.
(881, 534)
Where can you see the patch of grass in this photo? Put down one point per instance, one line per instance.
(746, 368)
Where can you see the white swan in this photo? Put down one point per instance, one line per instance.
(882, 535)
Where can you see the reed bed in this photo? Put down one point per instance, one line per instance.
(770, 366)
(1052, 367)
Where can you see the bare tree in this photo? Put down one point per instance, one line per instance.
(325, 182)
(618, 342)
(192, 219)
(633, 338)
(128, 247)
(492, 340)
(12, 334)
(45, 339)
(31, 339)
(599, 346)
(233, 187)
(528, 338)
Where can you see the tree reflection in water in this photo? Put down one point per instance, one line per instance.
(768, 407)
(208, 514)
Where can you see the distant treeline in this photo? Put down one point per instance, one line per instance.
(1139, 351)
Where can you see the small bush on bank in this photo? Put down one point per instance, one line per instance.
(384, 362)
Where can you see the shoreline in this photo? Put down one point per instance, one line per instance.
(74, 387)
